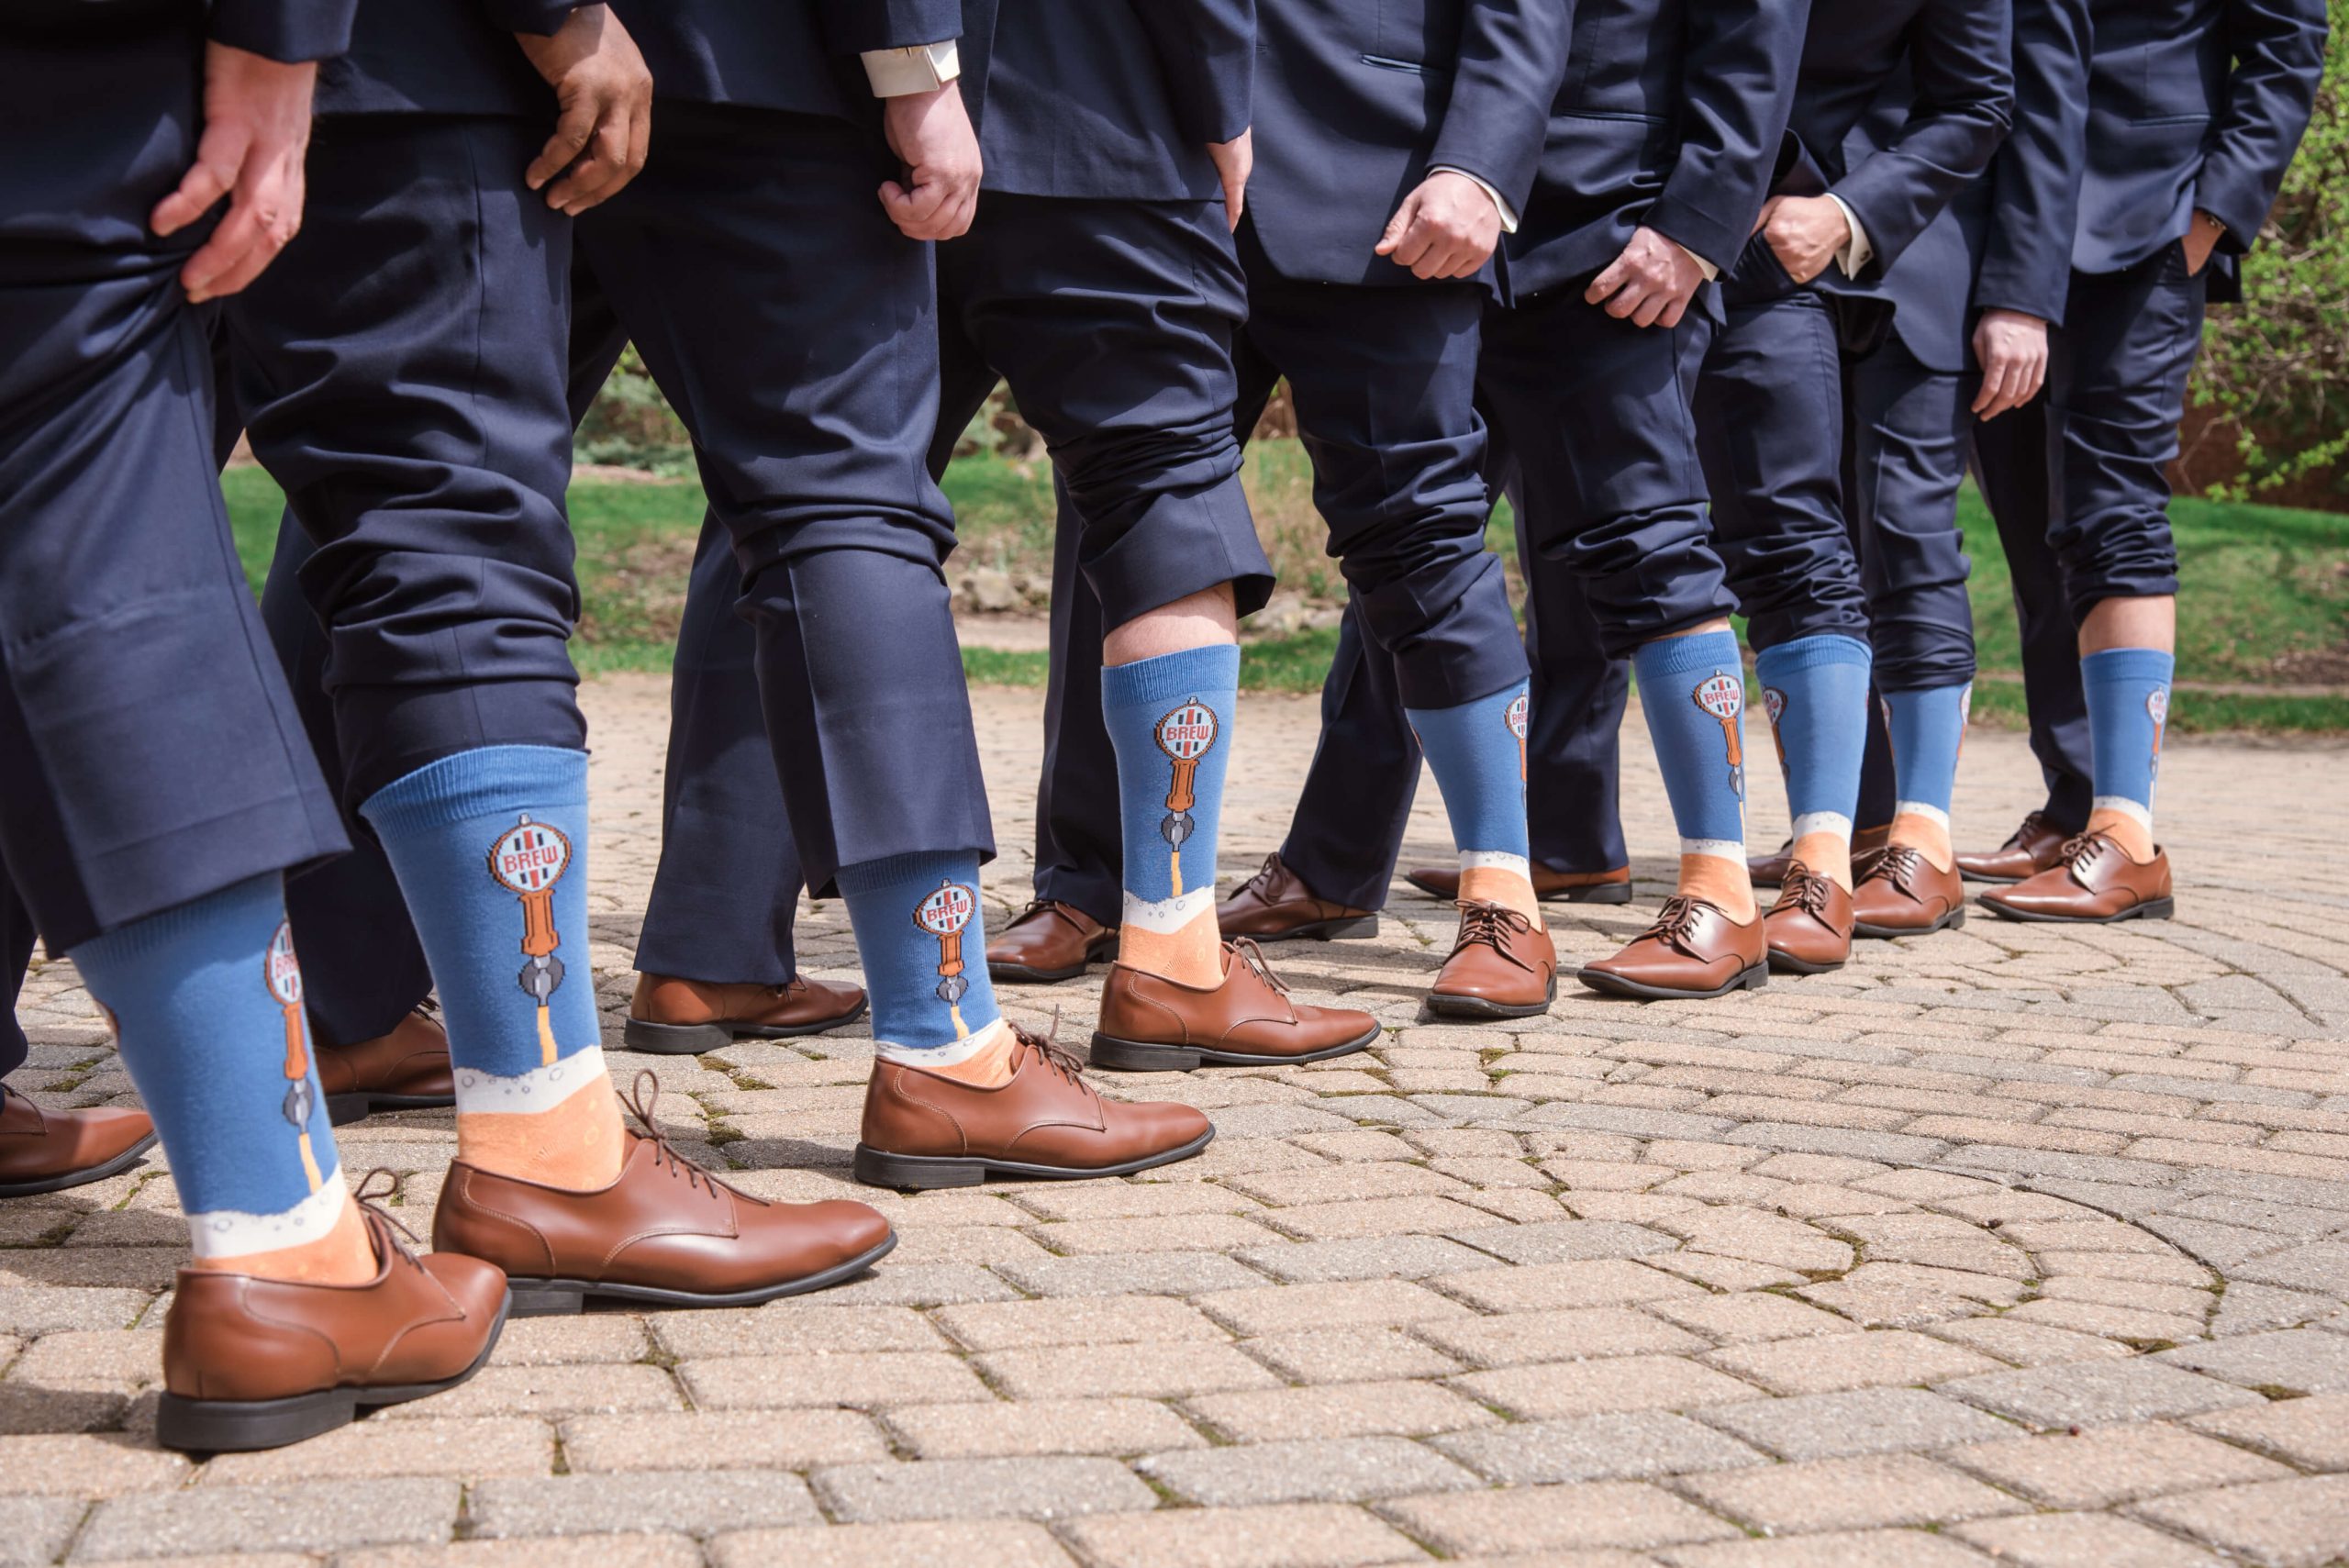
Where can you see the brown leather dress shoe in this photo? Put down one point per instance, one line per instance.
(1770, 870)
(1693, 951)
(2033, 848)
(2096, 883)
(1152, 1024)
(1050, 940)
(684, 1017)
(1809, 928)
(1905, 894)
(46, 1151)
(666, 1233)
(1274, 905)
(923, 1130)
(252, 1363)
(1502, 966)
(405, 1069)
(1550, 886)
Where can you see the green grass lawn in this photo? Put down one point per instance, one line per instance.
(2266, 600)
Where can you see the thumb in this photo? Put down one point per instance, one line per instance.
(1767, 208)
(1399, 225)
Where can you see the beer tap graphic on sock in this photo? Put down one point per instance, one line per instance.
(944, 913)
(527, 860)
(282, 974)
(1185, 735)
(1723, 696)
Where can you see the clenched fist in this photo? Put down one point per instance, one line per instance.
(1445, 228)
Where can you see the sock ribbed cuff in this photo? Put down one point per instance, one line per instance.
(1680, 655)
(1171, 677)
(1811, 653)
(254, 898)
(478, 783)
(2128, 664)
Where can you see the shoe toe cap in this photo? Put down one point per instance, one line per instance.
(478, 1286)
(842, 1228)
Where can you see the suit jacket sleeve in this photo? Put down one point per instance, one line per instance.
(287, 31)
(853, 26)
(543, 17)
(1206, 49)
(2035, 178)
(1961, 61)
(2279, 49)
(1737, 82)
(1512, 59)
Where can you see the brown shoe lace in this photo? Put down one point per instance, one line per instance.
(380, 1221)
(1804, 889)
(1896, 863)
(1246, 949)
(1675, 923)
(2081, 850)
(1049, 1050)
(641, 1097)
(2032, 821)
(1493, 925)
(1262, 882)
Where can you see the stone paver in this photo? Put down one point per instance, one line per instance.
(2017, 1244)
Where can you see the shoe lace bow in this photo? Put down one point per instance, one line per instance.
(380, 1220)
(1804, 889)
(642, 1096)
(1493, 925)
(1896, 863)
(1247, 951)
(1675, 923)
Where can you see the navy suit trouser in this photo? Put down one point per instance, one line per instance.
(2116, 388)
(150, 754)
(1908, 435)
(2013, 467)
(1592, 436)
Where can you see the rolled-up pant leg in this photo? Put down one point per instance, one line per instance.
(2116, 387)
(794, 331)
(2014, 469)
(401, 373)
(1770, 424)
(1910, 433)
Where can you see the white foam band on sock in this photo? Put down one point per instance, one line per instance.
(1919, 810)
(539, 1089)
(1833, 822)
(935, 1056)
(1719, 849)
(232, 1234)
(2136, 811)
(1496, 860)
(1169, 916)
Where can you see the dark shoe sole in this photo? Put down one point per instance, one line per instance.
(1950, 921)
(1966, 875)
(2155, 909)
(1447, 1007)
(1022, 974)
(1787, 963)
(1346, 929)
(344, 1109)
(909, 1172)
(558, 1297)
(243, 1426)
(83, 1177)
(1596, 892)
(1146, 1056)
(1753, 979)
(694, 1040)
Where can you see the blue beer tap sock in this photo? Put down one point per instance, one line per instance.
(2128, 695)
(490, 847)
(1928, 731)
(206, 1003)
(1170, 723)
(1692, 689)
(1816, 692)
(923, 937)
(1477, 750)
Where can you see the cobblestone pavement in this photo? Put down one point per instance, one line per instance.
(2022, 1244)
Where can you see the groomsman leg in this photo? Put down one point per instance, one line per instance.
(2014, 468)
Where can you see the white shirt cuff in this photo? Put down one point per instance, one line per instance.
(1509, 214)
(899, 72)
(1857, 251)
(1712, 273)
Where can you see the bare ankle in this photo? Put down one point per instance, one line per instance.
(1500, 884)
(1190, 956)
(1928, 836)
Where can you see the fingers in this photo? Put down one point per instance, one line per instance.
(1769, 207)
(1235, 199)
(219, 156)
(1990, 401)
(1399, 225)
(914, 211)
(1607, 282)
(260, 221)
(614, 154)
(573, 127)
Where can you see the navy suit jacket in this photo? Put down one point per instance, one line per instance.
(2192, 104)
(1115, 99)
(443, 57)
(795, 55)
(1671, 115)
(1356, 99)
(2005, 241)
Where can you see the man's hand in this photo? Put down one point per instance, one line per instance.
(1234, 161)
(2201, 239)
(1445, 228)
(603, 97)
(1649, 284)
(256, 128)
(2011, 348)
(931, 132)
(1805, 232)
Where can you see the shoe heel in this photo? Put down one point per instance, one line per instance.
(1140, 1056)
(228, 1426)
(675, 1040)
(344, 1109)
(910, 1173)
(1347, 930)
(1956, 920)
(2157, 909)
(545, 1298)
(1757, 977)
